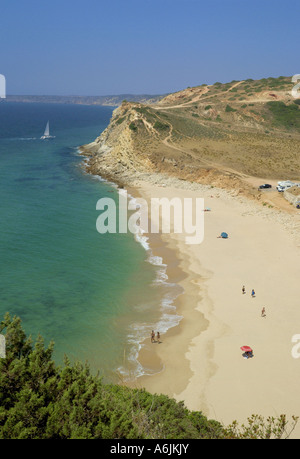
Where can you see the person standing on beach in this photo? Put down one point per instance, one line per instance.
(243, 290)
(263, 312)
(158, 337)
(253, 293)
(152, 336)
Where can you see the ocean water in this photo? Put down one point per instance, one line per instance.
(96, 296)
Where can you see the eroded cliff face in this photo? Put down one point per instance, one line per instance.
(118, 153)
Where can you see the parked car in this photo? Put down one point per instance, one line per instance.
(283, 188)
(266, 185)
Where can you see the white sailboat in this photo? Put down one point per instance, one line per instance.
(47, 133)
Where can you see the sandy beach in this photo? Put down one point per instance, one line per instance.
(200, 360)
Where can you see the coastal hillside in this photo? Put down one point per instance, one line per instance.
(220, 134)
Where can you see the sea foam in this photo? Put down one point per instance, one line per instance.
(168, 315)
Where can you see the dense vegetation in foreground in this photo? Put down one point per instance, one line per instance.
(39, 400)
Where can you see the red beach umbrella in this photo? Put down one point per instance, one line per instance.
(246, 349)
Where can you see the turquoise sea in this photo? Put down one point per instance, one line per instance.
(96, 296)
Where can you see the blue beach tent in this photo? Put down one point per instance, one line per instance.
(224, 235)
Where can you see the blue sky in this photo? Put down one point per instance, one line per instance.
(97, 47)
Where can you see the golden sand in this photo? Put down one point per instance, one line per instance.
(200, 360)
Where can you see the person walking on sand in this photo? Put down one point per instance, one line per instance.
(152, 336)
(158, 337)
(243, 290)
(253, 293)
(263, 312)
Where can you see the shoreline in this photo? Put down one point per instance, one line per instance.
(152, 356)
(170, 275)
(174, 373)
(155, 247)
(173, 378)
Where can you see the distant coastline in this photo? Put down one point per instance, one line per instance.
(109, 100)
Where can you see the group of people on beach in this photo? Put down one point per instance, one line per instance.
(252, 292)
(263, 311)
(153, 337)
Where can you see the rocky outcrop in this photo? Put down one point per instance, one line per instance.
(114, 154)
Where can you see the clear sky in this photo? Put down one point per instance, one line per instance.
(102, 47)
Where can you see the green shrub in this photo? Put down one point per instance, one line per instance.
(229, 109)
(133, 126)
(160, 126)
(287, 116)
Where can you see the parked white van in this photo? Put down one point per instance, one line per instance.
(284, 185)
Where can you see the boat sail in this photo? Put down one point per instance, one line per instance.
(47, 132)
